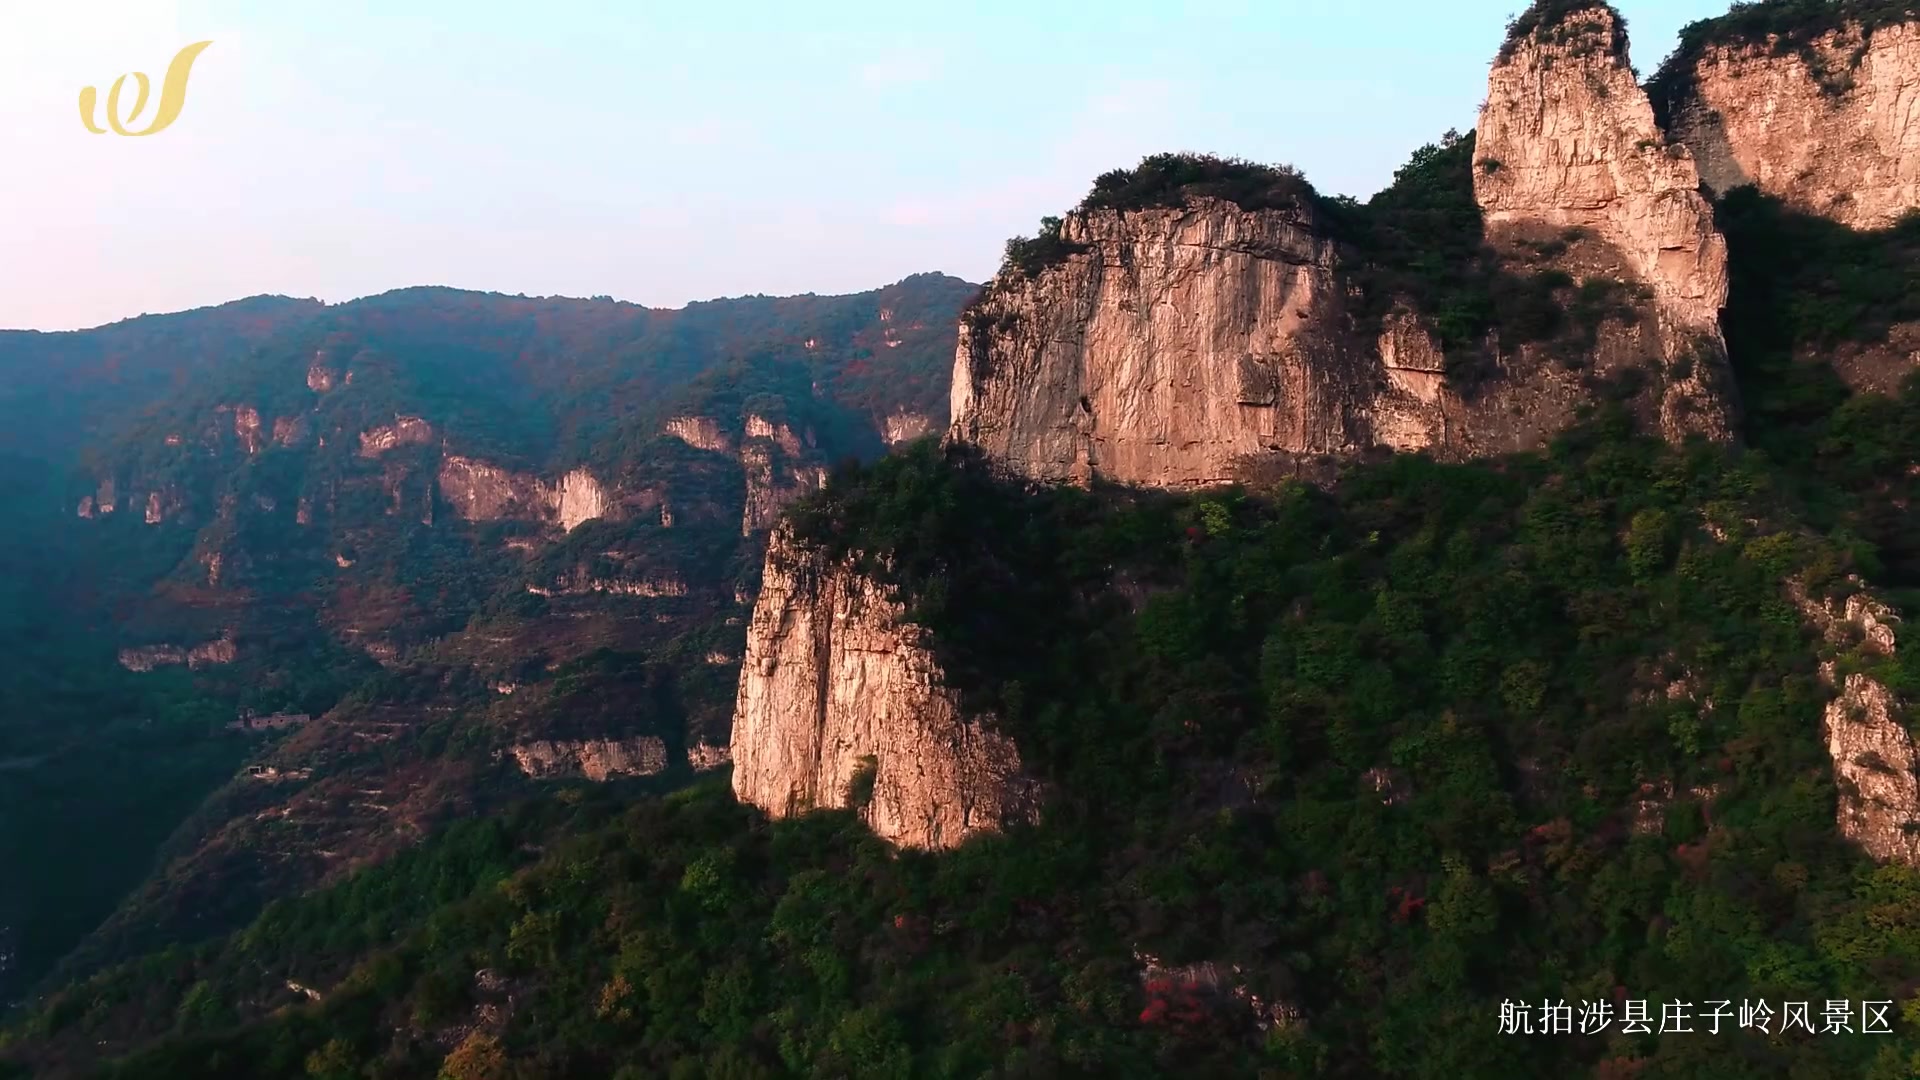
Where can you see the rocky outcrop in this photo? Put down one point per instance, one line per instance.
(1832, 128)
(701, 433)
(246, 428)
(162, 505)
(1182, 347)
(770, 488)
(478, 491)
(1866, 732)
(1567, 140)
(706, 757)
(839, 693)
(1172, 343)
(290, 431)
(404, 431)
(598, 760)
(759, 427)
(321, 375)
(576, 498)
(580, 583)
(1873, 765)
(904, 426)
(148, 657)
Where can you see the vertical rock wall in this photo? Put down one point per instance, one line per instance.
(835, 682)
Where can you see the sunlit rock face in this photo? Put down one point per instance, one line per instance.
(1185, 347)
(773, 481)
(701, 433)
(149, 657)
(404, 431)
(1832, 129)
(479, 491)
(246, 428)
(1866, 730)
(905, 426)
(1174, 342)
(598, 760)
(1567, 140)
(837, 689)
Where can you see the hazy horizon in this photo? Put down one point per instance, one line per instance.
(596, 298)
(664, 155)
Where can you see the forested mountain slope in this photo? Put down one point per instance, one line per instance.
(336, 527)
(1325, 627)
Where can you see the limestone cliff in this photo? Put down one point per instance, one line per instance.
(290, 431)
(1184, 346)
(1866, 732)
(1831, 127)
(904, 425)
(770, 487)
(479, 491)
(838, 692)
(246, 428)
(598, 760)
(700, 432)
(404, 431)
(148, 657)
(162, 504)
(579, 582)
(1170, 343)
(1567, 141)
(759, 427)
(706, 757)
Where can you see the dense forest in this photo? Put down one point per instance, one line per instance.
(1354, 765)
(105, 772)
(1382, 751)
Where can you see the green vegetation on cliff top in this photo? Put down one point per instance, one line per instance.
(1419, 243)
(1548, 22)
(1391, 754)
(1780, 27)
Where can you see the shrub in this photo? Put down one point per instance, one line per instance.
(1779, 28)
(1548, 22)
(860, 785)
(1170, 180)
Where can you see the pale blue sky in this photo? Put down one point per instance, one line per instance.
(663, 153)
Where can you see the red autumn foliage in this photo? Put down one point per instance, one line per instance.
(1175, 1005)
(1406, 905)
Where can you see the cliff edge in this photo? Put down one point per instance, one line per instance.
(1567, 143)
(1165, 343)
(1818, 106)
(841, 703)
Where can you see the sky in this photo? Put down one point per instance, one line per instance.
(663, 153)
